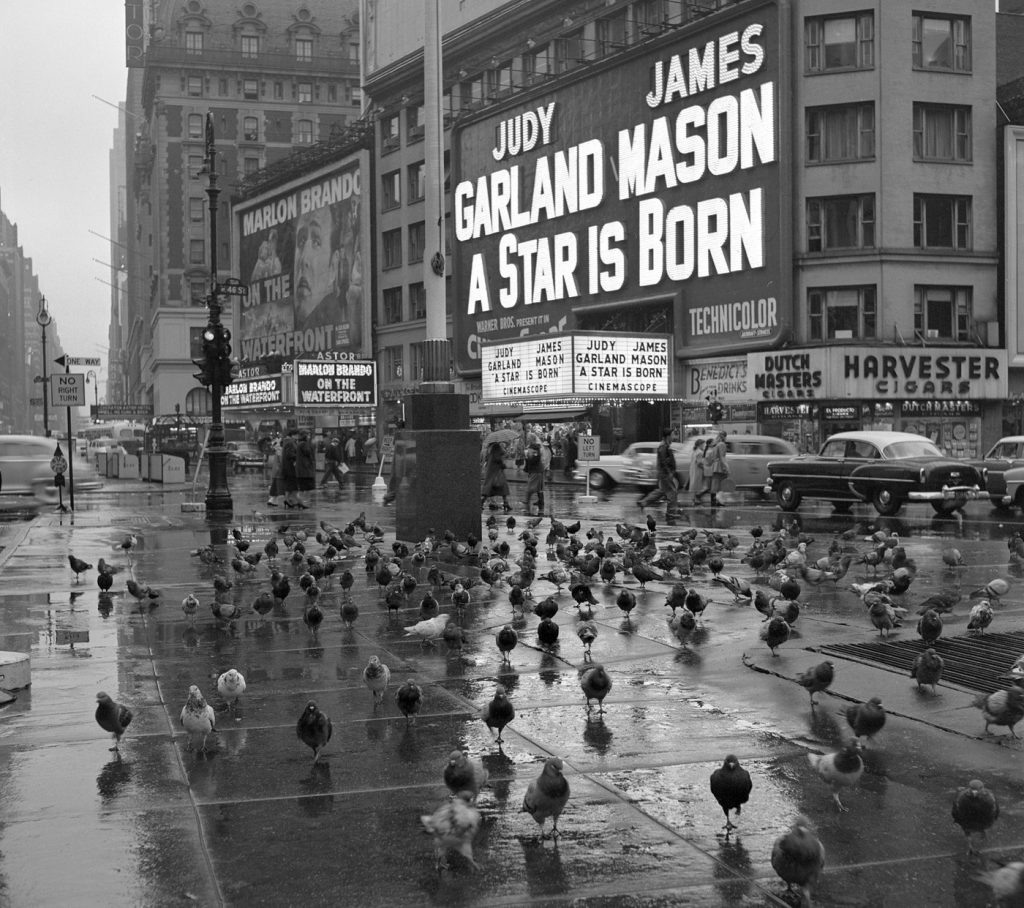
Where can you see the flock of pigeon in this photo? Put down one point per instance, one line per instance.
(779, 566)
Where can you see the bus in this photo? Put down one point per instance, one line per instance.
(129, 435)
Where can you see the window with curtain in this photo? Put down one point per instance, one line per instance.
(391, 243)
(942, 132)
(392, 305)
(842, 313)
(251, 129)
(941, 43)
(304, 132)
(416, 182)
(840, 133)
(839, 42)
(193, 42)
(195, 126)
(417, 300)
(250, 46)
(943, 312)
(841, 222)
(417, 241)
(304, 49)
(391, 190)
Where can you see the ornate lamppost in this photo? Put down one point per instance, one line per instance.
(43, 319)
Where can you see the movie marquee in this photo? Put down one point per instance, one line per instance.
(656, 178)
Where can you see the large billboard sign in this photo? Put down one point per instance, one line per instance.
(657, 178)
(302, 252)
(253, 393)
(335, 383)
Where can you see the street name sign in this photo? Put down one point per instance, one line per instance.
(67, 390)
(121, 411)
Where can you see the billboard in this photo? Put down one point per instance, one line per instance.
(335, 383)
(253, 393)
(653, 179)
(302, 251)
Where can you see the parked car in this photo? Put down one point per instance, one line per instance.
(244, 456)
(887, 469)
(1004, 455)
(25, 468)
(748, 457)
(613, 469)
(1013, 491)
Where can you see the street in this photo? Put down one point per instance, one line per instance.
(254, 821)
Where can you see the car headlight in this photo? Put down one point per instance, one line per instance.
(922, 475)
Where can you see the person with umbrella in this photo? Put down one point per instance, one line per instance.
(495, 481)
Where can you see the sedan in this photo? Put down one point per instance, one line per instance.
(1004, 455)
(613, 469)
(886, 469)
(244, 456)
(25, 468)
(1013, 489)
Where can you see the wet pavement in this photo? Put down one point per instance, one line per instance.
(254, 822)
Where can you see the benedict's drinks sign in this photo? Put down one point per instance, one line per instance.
(656, 179)
(579, 365)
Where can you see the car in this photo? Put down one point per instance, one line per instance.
(887, 469)
(25, 468)
(1004, 455)
(748, 457)
(613, 469)
(244, 456)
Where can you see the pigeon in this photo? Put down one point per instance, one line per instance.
(231, 686)
(739, 588)
(498, 712)
(1006, 883)
(112, 717)
(731, 785)
(644, 573)
(190, 607)
(596, 683)
(546, 608)
(104, 581)
(506, 638)
(980, 616)
(975, 809)
(78, 566)
(429, 629)
(198, 718)
(453, 825)
(883, 616)
(927, 668)
(312, 614)
(461, 773)
(139, 592)
(349, 612)
(866, 719)
(626, 601)
(104, 568)
(798, 857)
(1003, 707)
(817, 678)
(682, 624)
(547, 795)
(994, 590)
(314, 729)
(775, 633)
(929, 626)
(587, 632)
(225, 611)
(409, 698)
(376, 677)
(841, 769)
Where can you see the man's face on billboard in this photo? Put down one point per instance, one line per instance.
(314, 278)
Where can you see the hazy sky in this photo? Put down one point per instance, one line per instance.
(55, 140)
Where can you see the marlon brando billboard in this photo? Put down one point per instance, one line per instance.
(656, 178)
(303, 254)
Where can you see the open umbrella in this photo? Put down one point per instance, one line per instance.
(501, 436)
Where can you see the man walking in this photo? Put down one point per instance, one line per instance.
(333, 456)
(668, 484)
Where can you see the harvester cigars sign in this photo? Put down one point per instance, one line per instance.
(656, 178)
(261, 391)
(335, 383)
(587, 365)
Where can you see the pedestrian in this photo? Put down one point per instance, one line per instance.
(305, 468)
(668, 483)
(570, 448)
(495, 482)
(546, 456)
(334, 456)
(716, 468)
(350, 449)
(287, 480)
(533, 467)
(272, 468)
(397, 466)
(696, 478)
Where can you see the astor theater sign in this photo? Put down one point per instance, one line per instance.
(652, 179)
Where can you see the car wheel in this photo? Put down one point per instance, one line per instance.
(787, 496)
(997, 503)
(885, 502)
(842, 507)
(600, 480)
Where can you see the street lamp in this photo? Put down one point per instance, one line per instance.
(95, 387)
(43, 318)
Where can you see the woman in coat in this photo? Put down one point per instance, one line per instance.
(305, 468)
(697, 470)
(495, 482)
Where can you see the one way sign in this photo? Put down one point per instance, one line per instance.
(67, 390)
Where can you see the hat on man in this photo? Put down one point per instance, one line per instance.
(667, 431)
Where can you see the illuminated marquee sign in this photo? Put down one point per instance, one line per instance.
(579, 365)
(336, 383)
(262, 391)
(657, 178)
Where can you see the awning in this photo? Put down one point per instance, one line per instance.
(555, 414)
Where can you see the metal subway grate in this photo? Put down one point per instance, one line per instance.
(977, 662)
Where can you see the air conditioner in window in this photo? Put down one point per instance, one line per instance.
(844, 334)
(931, 333)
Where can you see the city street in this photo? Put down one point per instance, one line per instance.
(253, 821)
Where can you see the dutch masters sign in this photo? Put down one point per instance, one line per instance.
(655, 179)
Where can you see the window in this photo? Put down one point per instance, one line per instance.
(843, 133)
(414, 128)
(193, 42)
(569, 52)
(498, 81)
(417, 241)
(942, 133)
(195, 126)
(251, 129)
(195, 164)
(842, 313)
(416, 361)
(390, 137)
(304, 50)
(250, 46)
(332, 91)
(417, 300)
(251, 89)
(611, 33)
(222, 87)
(391, 190)
(353, 51)
(839, 42)
(392, 363)
(392, 305)
(942, 43)
(392, 243)
(841, 222)
(196, 252)
(195, 210)
(279, 91)
(537, 64)
(197, 292)
(195, 86)
(942, 221)
(305, 93)
(471, 92)
(304, 132)
(650, 16)
(357, 95)
(942, 312)
(250, 165)
(416, 182)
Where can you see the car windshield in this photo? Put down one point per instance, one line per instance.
(913, 448)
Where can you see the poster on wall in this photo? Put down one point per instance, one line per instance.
(301, 252)
(656, 178)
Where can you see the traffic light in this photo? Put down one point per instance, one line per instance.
(715, 411)
(227, 371)
(206, 365)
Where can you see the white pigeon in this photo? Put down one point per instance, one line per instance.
(198, 718)
(430, 629)
(231, 686)
(453, 826)
(376, 676)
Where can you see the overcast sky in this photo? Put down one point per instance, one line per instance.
(55, 140)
